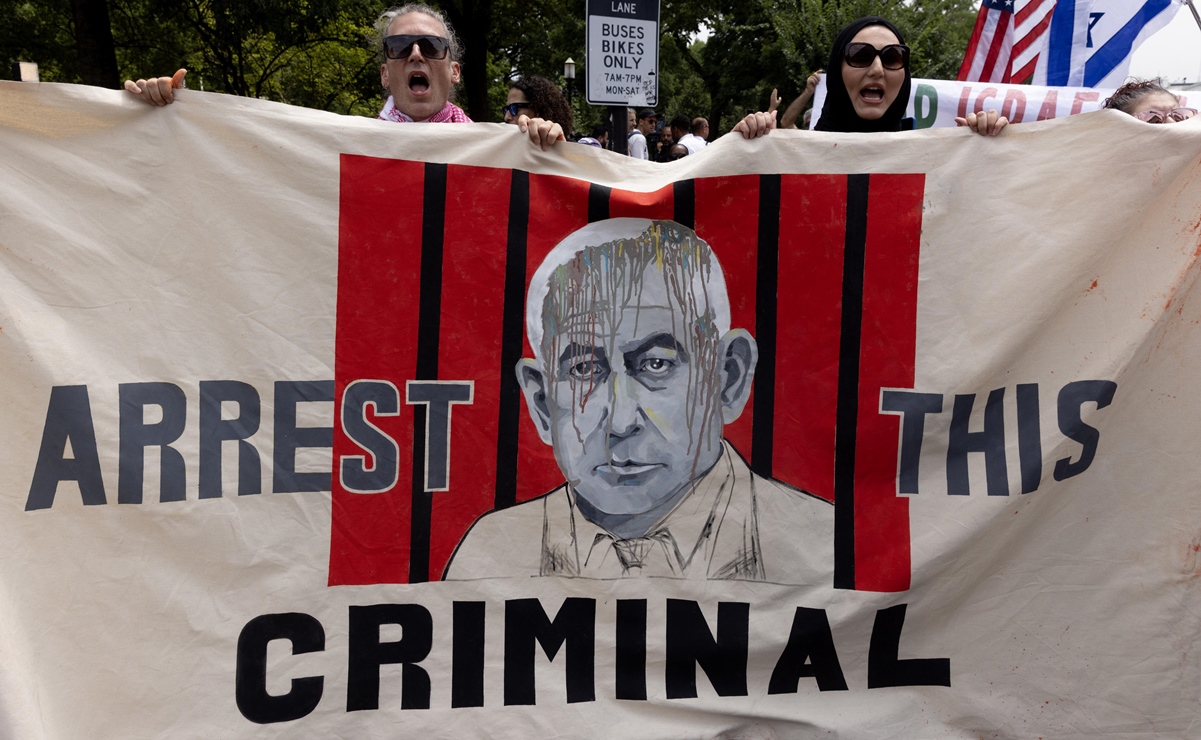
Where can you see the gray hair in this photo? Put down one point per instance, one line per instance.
(385, 19)
(614, 253)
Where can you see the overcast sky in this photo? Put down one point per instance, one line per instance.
(1173, 54)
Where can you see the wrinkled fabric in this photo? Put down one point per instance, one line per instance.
(992, 378)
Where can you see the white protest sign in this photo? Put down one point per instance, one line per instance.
(936, 103)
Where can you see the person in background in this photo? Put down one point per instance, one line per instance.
(639, 126)
(677, 151)
(537, 97)
(1148, 101)
(419, 70)
(867, 88)
(600, 132)
(793, 111)
(696, 139)
(666, 140)
(679, 128)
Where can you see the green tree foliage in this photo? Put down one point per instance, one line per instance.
(681, 90)
(718, 58)
(752, 47)
(299, 52)
(41, 32)
(737, 64)
(936, 30)
(536, 38)
(316, 53)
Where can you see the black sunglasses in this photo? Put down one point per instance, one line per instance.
(401, 46)
(512, 108)
(860, 54)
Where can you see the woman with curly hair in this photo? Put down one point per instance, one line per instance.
(1148, 101)
(537, 97)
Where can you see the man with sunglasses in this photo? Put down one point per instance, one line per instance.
(419, 70)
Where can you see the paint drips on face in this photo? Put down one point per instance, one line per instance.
(630, 350)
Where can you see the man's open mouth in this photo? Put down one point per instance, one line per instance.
(419, 83)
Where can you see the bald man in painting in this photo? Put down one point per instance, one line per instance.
(635, 373)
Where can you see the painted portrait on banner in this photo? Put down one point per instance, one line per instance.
(636, 371)
(610, 384)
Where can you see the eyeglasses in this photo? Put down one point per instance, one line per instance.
(512, 108)
(860, 54)
(1163, 116)
(401, 46)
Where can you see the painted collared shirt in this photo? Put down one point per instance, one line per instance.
(732, 525)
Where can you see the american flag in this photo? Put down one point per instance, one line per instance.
(1006, 41)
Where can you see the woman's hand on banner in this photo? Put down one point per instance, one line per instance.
(542, 132)
(985, 123)
(756, 124)
(157, 90)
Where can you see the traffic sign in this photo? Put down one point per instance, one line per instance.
(623, 52)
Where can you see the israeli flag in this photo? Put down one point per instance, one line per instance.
(1090, 41)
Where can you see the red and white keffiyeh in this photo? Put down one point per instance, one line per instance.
(450, 113)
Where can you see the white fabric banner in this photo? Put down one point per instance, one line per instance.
(319, 426)
(936, 103)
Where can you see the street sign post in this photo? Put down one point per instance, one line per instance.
(623, 52)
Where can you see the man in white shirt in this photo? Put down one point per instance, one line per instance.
(636, 139)
(696, 140)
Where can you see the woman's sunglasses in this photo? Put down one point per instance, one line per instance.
(893, 56)
(1163, 116)
(512, 108)
(401, 46)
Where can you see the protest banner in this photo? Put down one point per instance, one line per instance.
(887, 435)
(936, 103)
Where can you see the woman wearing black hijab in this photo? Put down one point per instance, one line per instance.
(867, 87)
